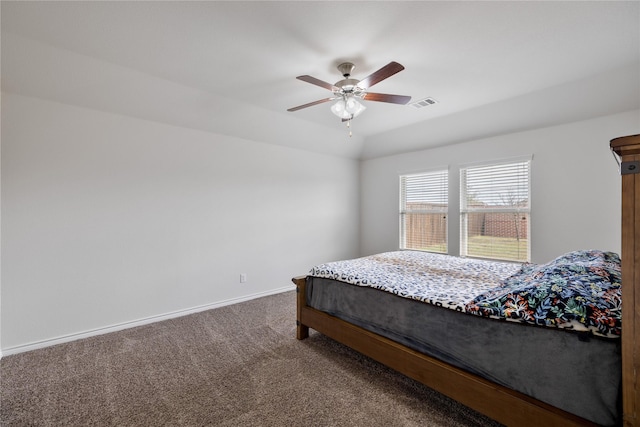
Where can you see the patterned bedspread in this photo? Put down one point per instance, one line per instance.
(579, 290)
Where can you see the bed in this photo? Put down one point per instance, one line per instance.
(483, 347)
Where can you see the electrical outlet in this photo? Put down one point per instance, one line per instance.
(243, 277)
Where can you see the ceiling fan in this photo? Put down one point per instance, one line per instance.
(348, 91)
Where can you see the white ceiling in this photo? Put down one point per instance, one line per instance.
(230, 67)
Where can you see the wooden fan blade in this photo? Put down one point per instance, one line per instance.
(317, 82)
(311, 104)
(387, 71)
(383, 97)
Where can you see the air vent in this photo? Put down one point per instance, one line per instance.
(424, 102)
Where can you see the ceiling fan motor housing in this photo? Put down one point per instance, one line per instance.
(348, 86)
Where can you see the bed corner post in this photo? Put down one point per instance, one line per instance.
(628, 149)
(302, 331)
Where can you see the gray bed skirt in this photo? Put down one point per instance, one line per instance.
(577, 373)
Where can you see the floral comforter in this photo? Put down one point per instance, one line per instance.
(579, 290)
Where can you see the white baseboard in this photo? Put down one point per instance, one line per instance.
(132, 324)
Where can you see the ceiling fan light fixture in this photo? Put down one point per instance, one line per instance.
(347, 107)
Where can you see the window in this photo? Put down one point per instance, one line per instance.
(494, 211)
(423, 211)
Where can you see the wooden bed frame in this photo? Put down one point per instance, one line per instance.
(486, 397)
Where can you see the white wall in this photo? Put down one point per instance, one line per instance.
(108, 219)
(575, 185)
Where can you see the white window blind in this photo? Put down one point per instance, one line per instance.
(495, 211)
(423, 211)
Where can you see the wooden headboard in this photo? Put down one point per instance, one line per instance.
(628, 149)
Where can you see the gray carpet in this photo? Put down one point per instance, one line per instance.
(238, 365)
